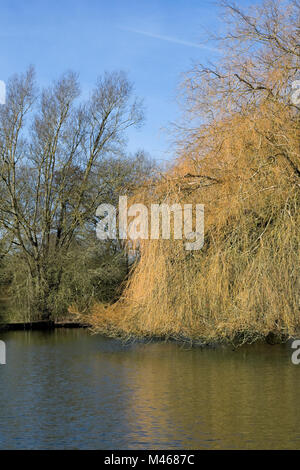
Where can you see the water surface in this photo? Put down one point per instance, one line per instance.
(67, 389)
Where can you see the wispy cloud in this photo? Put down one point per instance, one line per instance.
(171, 39)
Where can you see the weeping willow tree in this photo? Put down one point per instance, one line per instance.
(238, 154)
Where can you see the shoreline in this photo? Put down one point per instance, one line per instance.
(270, 339)
(40, 325)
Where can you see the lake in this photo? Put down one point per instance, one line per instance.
(67, 389)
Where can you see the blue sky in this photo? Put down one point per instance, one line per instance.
(154, 41)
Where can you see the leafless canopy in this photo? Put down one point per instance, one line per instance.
(51, 148)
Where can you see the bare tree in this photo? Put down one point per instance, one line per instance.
(50, 148)
(260, 60)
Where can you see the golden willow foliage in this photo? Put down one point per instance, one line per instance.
(242, 162)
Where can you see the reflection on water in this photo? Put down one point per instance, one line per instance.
(67, 389)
